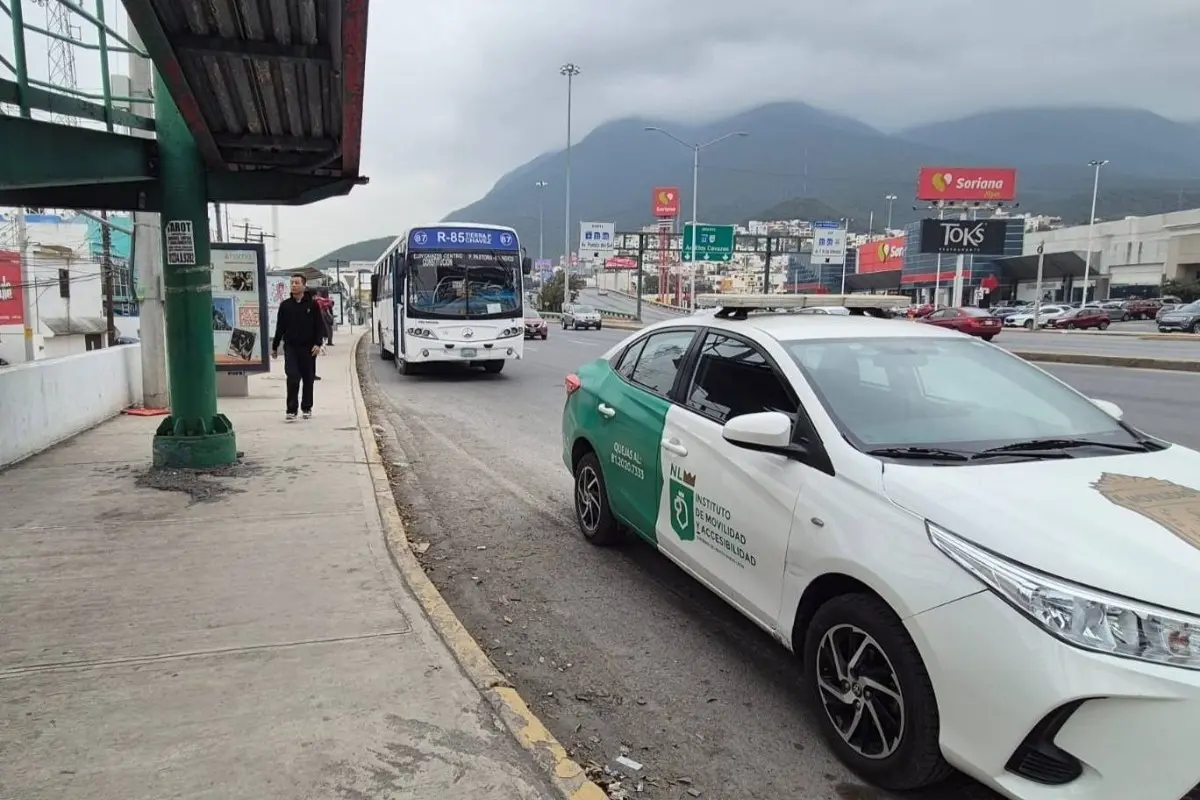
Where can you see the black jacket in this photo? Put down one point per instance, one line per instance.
(299, 323)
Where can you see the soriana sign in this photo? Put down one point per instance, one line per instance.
(883, 256)
(666, 201)
(12, 297)
(967, 184)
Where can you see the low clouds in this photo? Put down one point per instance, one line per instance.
(461, 91)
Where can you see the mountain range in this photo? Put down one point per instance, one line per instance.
(800, 157)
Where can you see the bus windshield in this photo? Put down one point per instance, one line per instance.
(478, 284)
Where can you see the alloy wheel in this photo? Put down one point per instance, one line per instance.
(587, 499)
(860, 692)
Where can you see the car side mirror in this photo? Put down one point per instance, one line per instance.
(1112, 409)
(374, 289)
(526, 266)
(766, 431)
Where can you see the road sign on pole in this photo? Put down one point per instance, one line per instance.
(714, 243)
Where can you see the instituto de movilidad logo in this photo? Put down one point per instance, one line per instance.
(682, 488)
(1171, 505)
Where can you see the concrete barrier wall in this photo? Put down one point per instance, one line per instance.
(44, 402)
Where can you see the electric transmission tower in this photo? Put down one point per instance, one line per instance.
(60, 54)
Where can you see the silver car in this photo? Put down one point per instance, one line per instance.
(577, 317)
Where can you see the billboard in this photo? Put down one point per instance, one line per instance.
(666, 201)
(967, 184)
(12, 296)
(620, 262)
(882, 256)
(239, 307)
(963, 237)
(829, 243)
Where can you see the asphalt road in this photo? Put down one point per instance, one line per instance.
(618, 649)
(624, 305)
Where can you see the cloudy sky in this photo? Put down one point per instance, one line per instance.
(461, 91)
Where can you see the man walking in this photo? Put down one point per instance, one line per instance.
(301, 329)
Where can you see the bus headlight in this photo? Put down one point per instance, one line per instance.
(507, 332)
(421, 333)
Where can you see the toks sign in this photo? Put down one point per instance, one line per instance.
(967, 184)
(976, 238)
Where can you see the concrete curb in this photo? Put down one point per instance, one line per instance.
(564, 774)
(1097, 360)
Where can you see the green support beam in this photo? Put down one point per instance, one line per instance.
(36, 154)
(195, 435)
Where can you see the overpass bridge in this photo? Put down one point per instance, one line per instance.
(253, 103)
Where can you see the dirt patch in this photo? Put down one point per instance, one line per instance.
(202, 485)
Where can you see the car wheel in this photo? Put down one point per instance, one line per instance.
(1195, 327)
(1124, 318)
(544, 335)
(1071, 326)
(872, 695)
(598, 326)
(595, 518)
(1103, 325)
(987, 337)
(1028, 324)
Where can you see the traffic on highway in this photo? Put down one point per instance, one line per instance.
(802, 583)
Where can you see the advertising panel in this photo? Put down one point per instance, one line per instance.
(666, 201)
(882, 256)
(239, 307)
(12, 295)
(621, 262)
(965, 237)
(829, 243)
(967, 184)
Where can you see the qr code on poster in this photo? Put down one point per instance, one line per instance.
(248, 317)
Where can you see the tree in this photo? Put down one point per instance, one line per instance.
(1187, 291)
(551, 296)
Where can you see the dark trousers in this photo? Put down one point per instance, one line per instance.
(300, 366)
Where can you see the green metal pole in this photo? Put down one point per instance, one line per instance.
(194, 435)
(18, 25)
(105, 78)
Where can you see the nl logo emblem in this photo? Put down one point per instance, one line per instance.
(683, 504)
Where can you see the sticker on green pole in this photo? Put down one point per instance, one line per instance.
(714, 242)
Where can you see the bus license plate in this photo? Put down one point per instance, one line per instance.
(468, 352)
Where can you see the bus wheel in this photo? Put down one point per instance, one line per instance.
(493, 366)
(407, 368)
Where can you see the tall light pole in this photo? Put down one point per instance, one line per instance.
(695, 148)
(541, 221)
(1087, 263)
(891, 198)
(570, 70)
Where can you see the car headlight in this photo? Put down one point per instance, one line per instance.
(421, 333)
(1082, 617)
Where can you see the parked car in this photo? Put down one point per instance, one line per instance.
(1143, 309)
(577, 316)
(837, 311)
(1081, 318)
(535, 325)
(973, 321)
(1117, 310)
(1183, 318)
(1166, 308)
(1024, 319)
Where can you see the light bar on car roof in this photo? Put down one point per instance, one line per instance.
(792, 301)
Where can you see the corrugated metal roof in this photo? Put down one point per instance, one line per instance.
(264, 84)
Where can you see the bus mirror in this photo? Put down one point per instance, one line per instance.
(374, 289)
(526, 266)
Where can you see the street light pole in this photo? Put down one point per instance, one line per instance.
(695, 148)
(891, 198)
(570, 70)
(1087, 263)
(541, 222)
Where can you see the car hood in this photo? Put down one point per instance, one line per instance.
(1057, 517)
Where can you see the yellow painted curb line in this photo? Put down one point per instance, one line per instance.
(565, 775)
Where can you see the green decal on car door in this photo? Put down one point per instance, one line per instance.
(625, 425)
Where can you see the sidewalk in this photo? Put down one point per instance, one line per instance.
(235, 637)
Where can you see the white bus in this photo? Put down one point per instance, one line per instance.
(451, 292)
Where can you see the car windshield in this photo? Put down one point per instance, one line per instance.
(464, 285)
(1190, 307)
(945, 393)
(583, 310)
(531, 313)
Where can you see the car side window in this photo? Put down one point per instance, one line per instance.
(733, 378)
(660, 359)
(629, 359)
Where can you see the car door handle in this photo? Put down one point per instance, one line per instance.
(673, 446)
(606, 410)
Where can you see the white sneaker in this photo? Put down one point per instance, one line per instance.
(308, 415)
(290, 418)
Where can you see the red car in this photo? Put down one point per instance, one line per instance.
(1082, 318)
(974, 321)
(535, 325)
